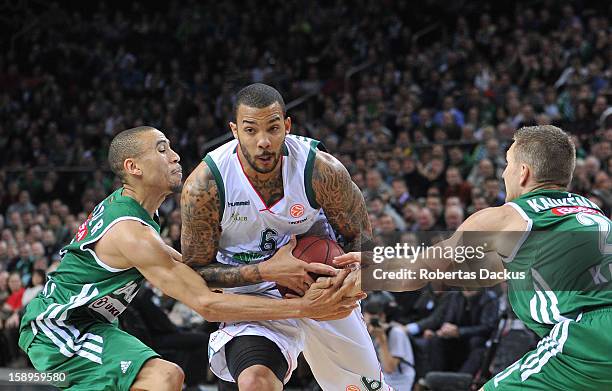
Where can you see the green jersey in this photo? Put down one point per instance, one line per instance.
(565, 257)
(84, 290)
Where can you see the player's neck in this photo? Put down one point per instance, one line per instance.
(543, 186)
(150, 200)
(260, 177)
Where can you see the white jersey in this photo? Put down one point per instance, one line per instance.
(340, 353)
(252, 231)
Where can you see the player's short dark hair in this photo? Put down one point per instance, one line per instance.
(125, 145)
(549, 152)
(258, 95)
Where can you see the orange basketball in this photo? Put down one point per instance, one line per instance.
(314, 249)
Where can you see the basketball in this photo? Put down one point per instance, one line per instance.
(314, 249)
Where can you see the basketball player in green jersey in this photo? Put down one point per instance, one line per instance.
(71, 326)
(560, 286)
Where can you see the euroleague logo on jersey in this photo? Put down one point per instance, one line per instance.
(296, 210)
(82, 232)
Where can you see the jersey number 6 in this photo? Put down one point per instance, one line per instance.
(268, 240)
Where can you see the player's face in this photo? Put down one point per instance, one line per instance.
(160, 164)
(261, 133)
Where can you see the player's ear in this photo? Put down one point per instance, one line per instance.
(525, 175)
(234, 129)
(287, 125)
(130, 167)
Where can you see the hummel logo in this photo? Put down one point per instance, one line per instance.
(238, 203)
(125, 365)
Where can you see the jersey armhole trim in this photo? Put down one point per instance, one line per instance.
(98, 237)
(525, 234)
(219, 181)
(310, 160)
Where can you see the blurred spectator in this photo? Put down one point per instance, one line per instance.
(410, 214)
(453, 217)
(417, 183)
(377, 207)
(457, 337)
(392, 345)
(388, 230)
(22, 264)
(36, 285)
(485, 169)
(9, 322)
(13, 302)
(434, 204)
(4, 289)
(23, 205)
(456, 186)
(376, 187)
(400, 195)
(426, 221)
(4, 254)
(493, 193)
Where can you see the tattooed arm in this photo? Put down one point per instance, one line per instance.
(200, 241)
(201, 231)
(342, 202)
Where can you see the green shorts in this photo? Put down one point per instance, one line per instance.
(109, 358)
(575, 355)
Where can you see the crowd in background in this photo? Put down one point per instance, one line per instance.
(422, 124)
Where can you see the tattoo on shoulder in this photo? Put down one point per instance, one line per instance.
(342, 202)
(200, 217)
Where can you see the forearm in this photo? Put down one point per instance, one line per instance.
(219, 307)
(388, 362)
(218, 275)
(473, 331)
(181, 283)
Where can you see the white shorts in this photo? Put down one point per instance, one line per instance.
(340, 352)
(286, 334)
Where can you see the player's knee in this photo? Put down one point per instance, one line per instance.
(172, 377)
(258, 378)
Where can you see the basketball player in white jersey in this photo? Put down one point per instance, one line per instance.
(243, 202)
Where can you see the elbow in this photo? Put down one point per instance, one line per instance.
(389, 366)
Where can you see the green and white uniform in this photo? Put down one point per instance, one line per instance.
(71, 326)
(566, 296)
(251, 232)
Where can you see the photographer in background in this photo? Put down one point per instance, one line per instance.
(392, 347)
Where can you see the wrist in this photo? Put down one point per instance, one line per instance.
(303, 309)
(264, 271)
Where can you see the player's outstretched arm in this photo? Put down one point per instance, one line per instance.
(131, 244)
(498, 230)
(342, 202)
